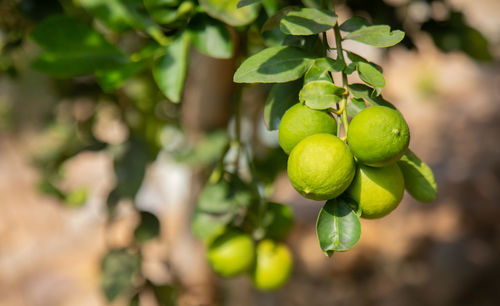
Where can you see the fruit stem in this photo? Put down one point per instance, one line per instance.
(340, 57)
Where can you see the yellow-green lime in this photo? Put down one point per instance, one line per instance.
(231, 253)
(273, 265)
(378, 136)
(378, 191)
(300, 121)
(321, 167)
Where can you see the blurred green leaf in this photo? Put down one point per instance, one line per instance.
(206, 226)
(121, 15)
(110, 79)
(454, 34)
(166, 295)
(338, 227)
(307, 21)
(72, 48)
(225, 197)
(281, 97)
(148, 228)
(118, 268)
(274, 65)
(377, 35)
(169, 71)
(419, 179)
(228, 11)
(321, 94)
(130, 169)
(172, 15)
(207, 150)
(211, 37)
(277, 221)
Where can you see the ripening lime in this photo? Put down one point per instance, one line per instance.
(378, 191)
(273, 265)
(321, 167)
(378, 136)
(231, 253)
(300, 121)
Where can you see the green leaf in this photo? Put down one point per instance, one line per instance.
(419, 179)
(275, 19)
(211, 37)
(350, 68)
(274, 65)
(377, 35)
(148, 228)
(170, 12)
(354, 106)
(370, 75)
(277, 221)
(130, 169)
(307, 21)
(166, 295)
(228, 11)
(281, 97)
(118, 268)
(338, 227)
(207, 150)
(122, 15)
(110, 79)
(321, 68)
(224, 197)
(364, 92)
(169, 71)
(77, 197)
(206, 226)
(321, 94)
(243, 3)
(72, 48)
(354, 23)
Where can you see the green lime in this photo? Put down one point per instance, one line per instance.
(273, 265)
(378, 191)
(232, 253)
(378, 136)
(321, 167)
(300, 121)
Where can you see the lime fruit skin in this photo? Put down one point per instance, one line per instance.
(231, 253)
(273, 265)
(299, 122)
(378, 191)
(378, 136)
(321, 167)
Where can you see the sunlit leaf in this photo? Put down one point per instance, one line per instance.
(307, 21)
(228, 11)
(419, 179)
(274, 65)
(321, 94)
(377, 35)
(338, 227)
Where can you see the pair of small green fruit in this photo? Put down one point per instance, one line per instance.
(321, 166)
(234, 253)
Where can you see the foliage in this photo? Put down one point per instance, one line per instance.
(134, 55)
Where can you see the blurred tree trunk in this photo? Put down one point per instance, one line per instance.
(206, 106)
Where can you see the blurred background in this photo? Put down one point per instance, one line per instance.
(61, 160)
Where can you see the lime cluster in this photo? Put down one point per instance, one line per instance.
(268, 263)
(322, 166)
